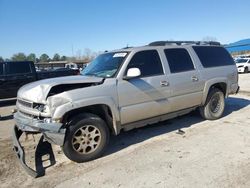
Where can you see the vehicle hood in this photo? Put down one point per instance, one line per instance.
(38, 91)
(240, 64)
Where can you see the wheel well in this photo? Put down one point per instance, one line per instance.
(221, 86)
(102, 110)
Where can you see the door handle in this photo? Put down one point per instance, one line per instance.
(194, 78)
(164, 83)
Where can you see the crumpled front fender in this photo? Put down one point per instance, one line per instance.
(105, 100)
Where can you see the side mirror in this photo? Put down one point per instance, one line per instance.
(132, 73)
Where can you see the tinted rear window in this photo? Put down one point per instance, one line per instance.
(179, 60)
(18, 68)
(1, 69)
(211, 56)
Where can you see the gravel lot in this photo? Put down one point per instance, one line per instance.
(208, 154)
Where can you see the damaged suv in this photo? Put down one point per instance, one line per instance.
(125, 89)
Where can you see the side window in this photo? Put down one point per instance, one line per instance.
(18, 68)
(179, 60)
(148, 62)
(211, 56)
(1, 69)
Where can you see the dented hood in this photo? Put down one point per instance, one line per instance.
(38, 91)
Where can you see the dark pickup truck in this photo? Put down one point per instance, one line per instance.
(13, 75)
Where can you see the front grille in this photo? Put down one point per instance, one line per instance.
(25, 103)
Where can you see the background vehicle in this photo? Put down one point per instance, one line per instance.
(243, 65)
(126, 89)
(71, 66)
(13, 75)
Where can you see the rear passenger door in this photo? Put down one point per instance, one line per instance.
(17, 75)
(146, 96)
(184, 79)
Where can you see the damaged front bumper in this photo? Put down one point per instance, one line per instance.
(52, 132)
(16, 134)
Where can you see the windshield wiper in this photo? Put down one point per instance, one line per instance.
(89, 74)
(95, 75)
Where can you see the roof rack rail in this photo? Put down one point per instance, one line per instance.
(163, 43)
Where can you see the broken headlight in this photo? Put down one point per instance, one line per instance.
(41, 107)
(47, 120)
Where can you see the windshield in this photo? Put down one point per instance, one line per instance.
(105, 65)
(241, 60)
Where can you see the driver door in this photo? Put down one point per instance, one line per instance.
(145, 96)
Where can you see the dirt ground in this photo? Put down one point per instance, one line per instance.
(205, 154)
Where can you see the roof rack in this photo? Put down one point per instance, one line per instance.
(163, 43)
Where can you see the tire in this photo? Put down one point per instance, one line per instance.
(214, 106)
(246, 70)
(86, 138)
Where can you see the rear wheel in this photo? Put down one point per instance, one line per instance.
(214, 106)
(86, 138)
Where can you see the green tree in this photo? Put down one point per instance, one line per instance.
(1, 59)
(63, 58)
(44, 58)
(19, 57)
(56, 57)
(31, 57)
(37, 60)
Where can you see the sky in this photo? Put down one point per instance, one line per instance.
(69, 26)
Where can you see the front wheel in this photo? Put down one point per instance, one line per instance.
(246, 70)
(86, 138)
(214, 106)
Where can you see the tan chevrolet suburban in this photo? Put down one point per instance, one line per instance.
(122, 90)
